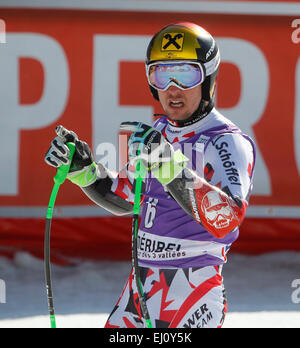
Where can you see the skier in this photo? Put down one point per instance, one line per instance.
(199, 178)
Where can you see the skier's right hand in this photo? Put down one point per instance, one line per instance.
(83, 170)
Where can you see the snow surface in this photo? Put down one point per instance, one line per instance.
(259, 291)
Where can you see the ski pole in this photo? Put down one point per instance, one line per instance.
(139, 175)
(59, 179)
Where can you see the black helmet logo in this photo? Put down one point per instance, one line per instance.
(172, 42)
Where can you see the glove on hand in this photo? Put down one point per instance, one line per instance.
(83, 170)
(158, 156)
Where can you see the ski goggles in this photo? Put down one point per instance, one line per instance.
(185, 75)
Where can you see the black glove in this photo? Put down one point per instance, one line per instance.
(147, 144)
(83, 169)
(158, 156)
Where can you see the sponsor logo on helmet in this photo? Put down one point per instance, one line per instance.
(208, 54)
(172, 42)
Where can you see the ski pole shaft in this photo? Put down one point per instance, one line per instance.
(47, 255)
(139, 175)
(59, 179)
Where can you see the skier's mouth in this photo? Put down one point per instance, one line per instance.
(176, 104)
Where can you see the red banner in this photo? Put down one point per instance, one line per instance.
(85, 70)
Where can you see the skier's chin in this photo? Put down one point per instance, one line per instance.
(178, 115)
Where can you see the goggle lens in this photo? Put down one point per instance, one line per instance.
(184, 75)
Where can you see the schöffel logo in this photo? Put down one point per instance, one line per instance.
(172, 42)
(2, 31)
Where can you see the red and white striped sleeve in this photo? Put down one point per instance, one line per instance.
(122, 183)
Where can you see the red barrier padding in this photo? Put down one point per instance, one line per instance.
(109, 238)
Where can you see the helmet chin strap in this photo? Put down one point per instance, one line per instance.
(203, 110)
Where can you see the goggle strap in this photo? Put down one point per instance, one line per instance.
(212, 65)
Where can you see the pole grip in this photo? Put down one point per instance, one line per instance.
(63, 170)
(140, 174)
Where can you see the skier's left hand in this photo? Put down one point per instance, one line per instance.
(157, 154)
(146, 144)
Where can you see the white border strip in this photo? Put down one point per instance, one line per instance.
(216, 7)
(290, 212)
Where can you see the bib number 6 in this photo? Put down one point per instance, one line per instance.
(151, 212)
